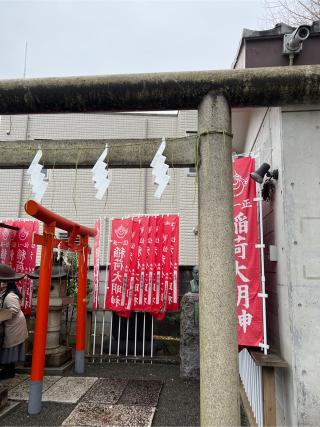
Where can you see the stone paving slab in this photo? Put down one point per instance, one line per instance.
(101, 415)
(13, 382)
(141, 392)
(68, 389)
(105, 390)
(52, 414)
(21, 391)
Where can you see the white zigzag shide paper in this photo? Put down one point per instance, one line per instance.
(100, 175)
(39, 186)
(160, 170)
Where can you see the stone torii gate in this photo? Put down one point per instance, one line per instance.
(213, 93)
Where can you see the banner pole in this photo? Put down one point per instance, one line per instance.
(263, 279)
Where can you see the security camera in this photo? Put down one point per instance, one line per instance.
(292, 43)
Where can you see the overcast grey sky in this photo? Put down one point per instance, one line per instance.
(67, 38)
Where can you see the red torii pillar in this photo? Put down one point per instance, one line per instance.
(48, 242)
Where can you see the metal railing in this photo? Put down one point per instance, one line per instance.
(122, 338)
(251, 377)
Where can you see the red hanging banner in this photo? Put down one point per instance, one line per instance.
(96, 265)
(18, 251)
(144, 263)
(141, 262)
(173, 293)
(7, 238)
(121, 231)
(150, 261)
(128, 298)
(165, 267)
(157, 268)
(246, 238)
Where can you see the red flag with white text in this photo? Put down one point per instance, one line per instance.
(144, 264)
(19, 251)
(121, 231)
(246, 239)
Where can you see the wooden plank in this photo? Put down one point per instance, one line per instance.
(271, 359)
(269, 397)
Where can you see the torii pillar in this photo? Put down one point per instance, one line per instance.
(219, 374)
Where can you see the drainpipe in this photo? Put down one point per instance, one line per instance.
(219, 373)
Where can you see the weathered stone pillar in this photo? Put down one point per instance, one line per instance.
(219, 388)
(189, 336)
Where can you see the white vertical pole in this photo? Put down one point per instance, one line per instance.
(108, 223)
(102, 335)
(94, 335)
(144, 332)
(119, 332)
(151, 350)
(263, 279)
(135, 336)
(110, 334)
(127, 338)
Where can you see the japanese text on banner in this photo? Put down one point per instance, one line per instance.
(249, 306)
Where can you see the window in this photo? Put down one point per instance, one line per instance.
(192, 171)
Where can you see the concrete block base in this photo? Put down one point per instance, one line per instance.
(54, 358)
(58, 370)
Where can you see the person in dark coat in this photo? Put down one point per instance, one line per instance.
(12, 348)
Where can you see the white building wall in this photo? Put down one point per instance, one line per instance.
(70, 192)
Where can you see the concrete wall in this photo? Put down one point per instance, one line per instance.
(264, 137)
(301, 154)
(288, 139)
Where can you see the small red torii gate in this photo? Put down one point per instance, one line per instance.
(47, 240)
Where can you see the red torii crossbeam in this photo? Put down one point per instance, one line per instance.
(47, 240)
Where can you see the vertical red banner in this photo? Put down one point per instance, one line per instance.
(128, 298)
(18, 250)
(173, 293)
(157, 267)
(246, 238)
(150, 261)
(144, 265)
(139, 288)
(7, 237)
(96, 265)
(165, 267)
(121, 232)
